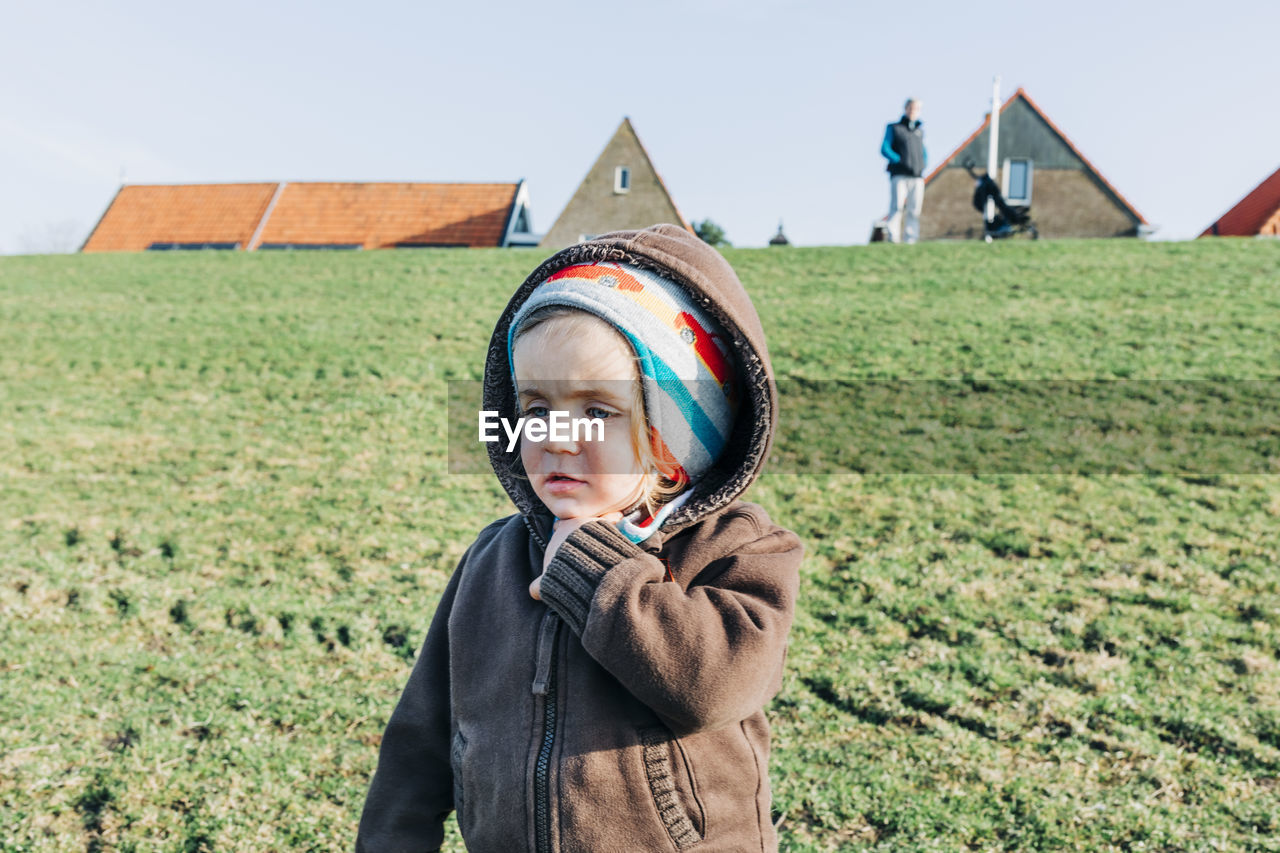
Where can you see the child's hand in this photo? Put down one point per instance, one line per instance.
(562, 529)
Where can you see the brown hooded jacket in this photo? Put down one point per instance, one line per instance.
(622, 712)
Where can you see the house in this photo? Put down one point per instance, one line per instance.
(1255, 215)
(312, 215)
(1037, 166)
(622, 190)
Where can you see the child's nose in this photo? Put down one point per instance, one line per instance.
(561, 444)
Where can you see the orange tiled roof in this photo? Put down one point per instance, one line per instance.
(370, 215)
(381, 215)
(1251, 213)
(140, 215)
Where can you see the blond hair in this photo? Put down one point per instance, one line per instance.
(657, 488)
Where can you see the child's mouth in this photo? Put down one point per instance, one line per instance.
(561, 483)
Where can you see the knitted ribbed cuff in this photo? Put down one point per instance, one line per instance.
(569, 583)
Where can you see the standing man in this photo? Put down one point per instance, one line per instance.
(903, 146)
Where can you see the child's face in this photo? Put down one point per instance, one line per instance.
(588, 374)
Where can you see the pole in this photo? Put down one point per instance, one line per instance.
(993, 143)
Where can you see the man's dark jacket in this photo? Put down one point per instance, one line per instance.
(904, 148)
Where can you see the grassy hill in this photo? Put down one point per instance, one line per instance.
(225, 518)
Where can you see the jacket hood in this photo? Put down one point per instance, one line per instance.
(684, 258)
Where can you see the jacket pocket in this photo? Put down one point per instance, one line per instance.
(671, 782)
(457, 754)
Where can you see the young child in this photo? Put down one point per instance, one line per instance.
(595, 675)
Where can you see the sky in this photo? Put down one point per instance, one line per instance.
(754, 113)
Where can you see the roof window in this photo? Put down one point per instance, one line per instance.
(187, 247)
(323, 247)
(1017, 181)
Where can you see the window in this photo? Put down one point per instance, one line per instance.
(522, 221)
(1017, 181)
(622, 179)
(191, 247)
(323, 247)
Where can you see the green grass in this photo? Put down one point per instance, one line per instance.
(225, 519)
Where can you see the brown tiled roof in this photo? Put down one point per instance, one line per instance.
(1253, 214)
(379, 216)
(370, 215)
(140, 215)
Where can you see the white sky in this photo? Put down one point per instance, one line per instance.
(752, 111)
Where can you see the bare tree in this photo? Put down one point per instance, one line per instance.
(51, 238)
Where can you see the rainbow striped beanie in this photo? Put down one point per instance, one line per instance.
(685, 360)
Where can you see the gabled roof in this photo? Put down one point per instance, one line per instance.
(365, 215)
(1251, 213)
(1067, 148)
(597, 205)
(140, 215)
(376, 216)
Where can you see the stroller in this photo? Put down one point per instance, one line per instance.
(1010, 219)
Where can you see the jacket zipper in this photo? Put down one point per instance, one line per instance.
(544, 684)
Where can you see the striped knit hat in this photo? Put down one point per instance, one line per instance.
(686, 366)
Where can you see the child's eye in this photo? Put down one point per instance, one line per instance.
(602, 414)
(536, 412)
